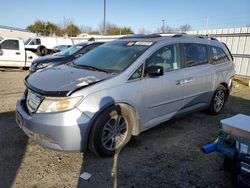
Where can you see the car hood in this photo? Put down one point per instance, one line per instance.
(63, 80)
(49, 58)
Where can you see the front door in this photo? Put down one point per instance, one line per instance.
(10, 54)
(163, 95)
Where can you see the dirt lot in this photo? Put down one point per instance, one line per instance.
(166, 156)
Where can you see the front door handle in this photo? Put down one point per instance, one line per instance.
(17, 53)
(184, 81)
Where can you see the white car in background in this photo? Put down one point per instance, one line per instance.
(13, 53)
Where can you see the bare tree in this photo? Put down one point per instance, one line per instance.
(166, 29)
(113, 29)
(185, 28)
(86, 29)
(66, 22)
(144, 31)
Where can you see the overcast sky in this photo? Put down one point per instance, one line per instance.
(132, 13)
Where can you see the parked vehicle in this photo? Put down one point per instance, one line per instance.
(122, 88)
(63, 57)
(45, 45)
(13, 53)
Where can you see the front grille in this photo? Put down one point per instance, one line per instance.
(33, 101)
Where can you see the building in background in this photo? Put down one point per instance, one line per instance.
(238, 41)
(12, 32)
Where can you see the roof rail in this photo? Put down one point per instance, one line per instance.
(198, 36)
(141, 36)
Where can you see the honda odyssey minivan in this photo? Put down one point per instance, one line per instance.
(122, 88)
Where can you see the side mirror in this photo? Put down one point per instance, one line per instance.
(154, 70)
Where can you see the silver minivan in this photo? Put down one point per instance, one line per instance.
(122, 88)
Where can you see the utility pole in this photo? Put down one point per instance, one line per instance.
(104, 18)
(163, 26)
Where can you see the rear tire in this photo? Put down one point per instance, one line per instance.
(111, 131)
(218, 101)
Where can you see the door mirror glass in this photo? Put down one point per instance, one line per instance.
(154, 70)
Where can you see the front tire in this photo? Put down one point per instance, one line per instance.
(111, 131)
(218, 101)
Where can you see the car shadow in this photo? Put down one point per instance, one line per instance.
(168, 155)
(12, 148)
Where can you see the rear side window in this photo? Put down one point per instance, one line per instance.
(10, 45)
(219, 56)
(195, 54)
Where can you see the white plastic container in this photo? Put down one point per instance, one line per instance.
(238, 127)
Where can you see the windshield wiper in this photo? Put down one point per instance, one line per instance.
(89, 67)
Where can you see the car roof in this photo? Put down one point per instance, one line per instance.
(173, 37)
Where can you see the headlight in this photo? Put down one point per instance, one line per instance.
(50, 104)
(44, 65)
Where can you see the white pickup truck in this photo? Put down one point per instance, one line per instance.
(13, 53)
(45, 45)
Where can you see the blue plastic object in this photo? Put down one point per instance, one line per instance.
(208, 148)
(224, 144)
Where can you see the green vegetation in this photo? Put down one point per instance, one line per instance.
(68, 28)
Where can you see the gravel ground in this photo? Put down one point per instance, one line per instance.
(168, 155)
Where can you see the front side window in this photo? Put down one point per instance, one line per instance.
(27, 41)
(167, 57)
(35, 42)
(10, 45)
(219, 56)
(114, 56)
(195, 54)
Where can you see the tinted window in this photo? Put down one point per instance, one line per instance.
(195, 54)
(219, 56)
(38, 41)
(167, 57)
(113, 56)
(35, 42)
(10, 45)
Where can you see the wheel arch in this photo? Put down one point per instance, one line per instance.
(224, 84)
(130, 108)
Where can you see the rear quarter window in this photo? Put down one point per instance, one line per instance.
(219, 56)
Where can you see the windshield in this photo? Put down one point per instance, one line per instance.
(114, 56)
(27, 41)
(70, 51)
